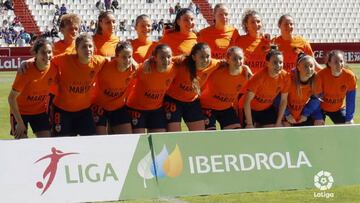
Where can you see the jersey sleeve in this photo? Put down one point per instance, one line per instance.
(20, 82)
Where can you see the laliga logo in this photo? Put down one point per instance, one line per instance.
(323, 180)
(50, 171)
(165, 164)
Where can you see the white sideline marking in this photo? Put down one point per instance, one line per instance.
(172, 200)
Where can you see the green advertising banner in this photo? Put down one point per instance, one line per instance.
(184, 164)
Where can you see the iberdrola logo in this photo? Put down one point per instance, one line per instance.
(163, 165)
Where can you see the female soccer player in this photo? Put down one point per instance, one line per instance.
(145, 100)
(105, 41)
(69, 27)
(255, 43)
(111, 90)
(29, 96)
(220, 35)
(338, 85)
(182, 98)
(262, 90)
(220, 93)
(182, 37)
(303, 99)
(142, 44)
(290, 45)
(76, 76)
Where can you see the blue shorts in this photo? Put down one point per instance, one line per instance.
(224, 117)
(337, 117)
(265, 117)
(38, 122)
(150, 119)
(117, 117)
(189, 111)
(65, 123)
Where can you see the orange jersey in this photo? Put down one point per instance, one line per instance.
(178, 42)
(141, 50)
(105, 46)
(149, 88)
(111, 86)
(299, 95)
(60, 47)
(222, 89)
(34, 87)
(267, 88)
(334, 89)
(218, 40)
(181, 88)
(291, 49)
(75, 81)
(255, 50)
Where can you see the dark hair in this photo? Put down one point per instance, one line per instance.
(82, 37)
(158, 48)
(191, 65)
(180, 13)
(302, 56)
(331, 54)
(282, 18)
(273, 51)
(121, 46)
(140, 18)
(101, 16)
(39, 42)
(246, 17)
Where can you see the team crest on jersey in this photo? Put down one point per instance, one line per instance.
(127, 80)
(203, 76)
(92, 74)
(168, 115)
(135, 121)
(343, 88)
(57, 127)
(50, 81)
(96, 119)
(167, 82)
(296, 50)
(238, 87)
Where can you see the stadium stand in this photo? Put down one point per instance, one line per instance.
(318, 21)
(128, 11)
(11, 29)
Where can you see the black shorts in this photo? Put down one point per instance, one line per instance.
(265, 117)
(66, 123)
(116, 117)
(224, 117)
(189, 111)
(337, 117)
(150, 119)
(38, 122)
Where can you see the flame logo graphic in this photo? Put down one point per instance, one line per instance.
(164, 165)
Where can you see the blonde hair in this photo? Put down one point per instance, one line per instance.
(70, 18)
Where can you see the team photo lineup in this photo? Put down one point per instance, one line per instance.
(104, 84)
